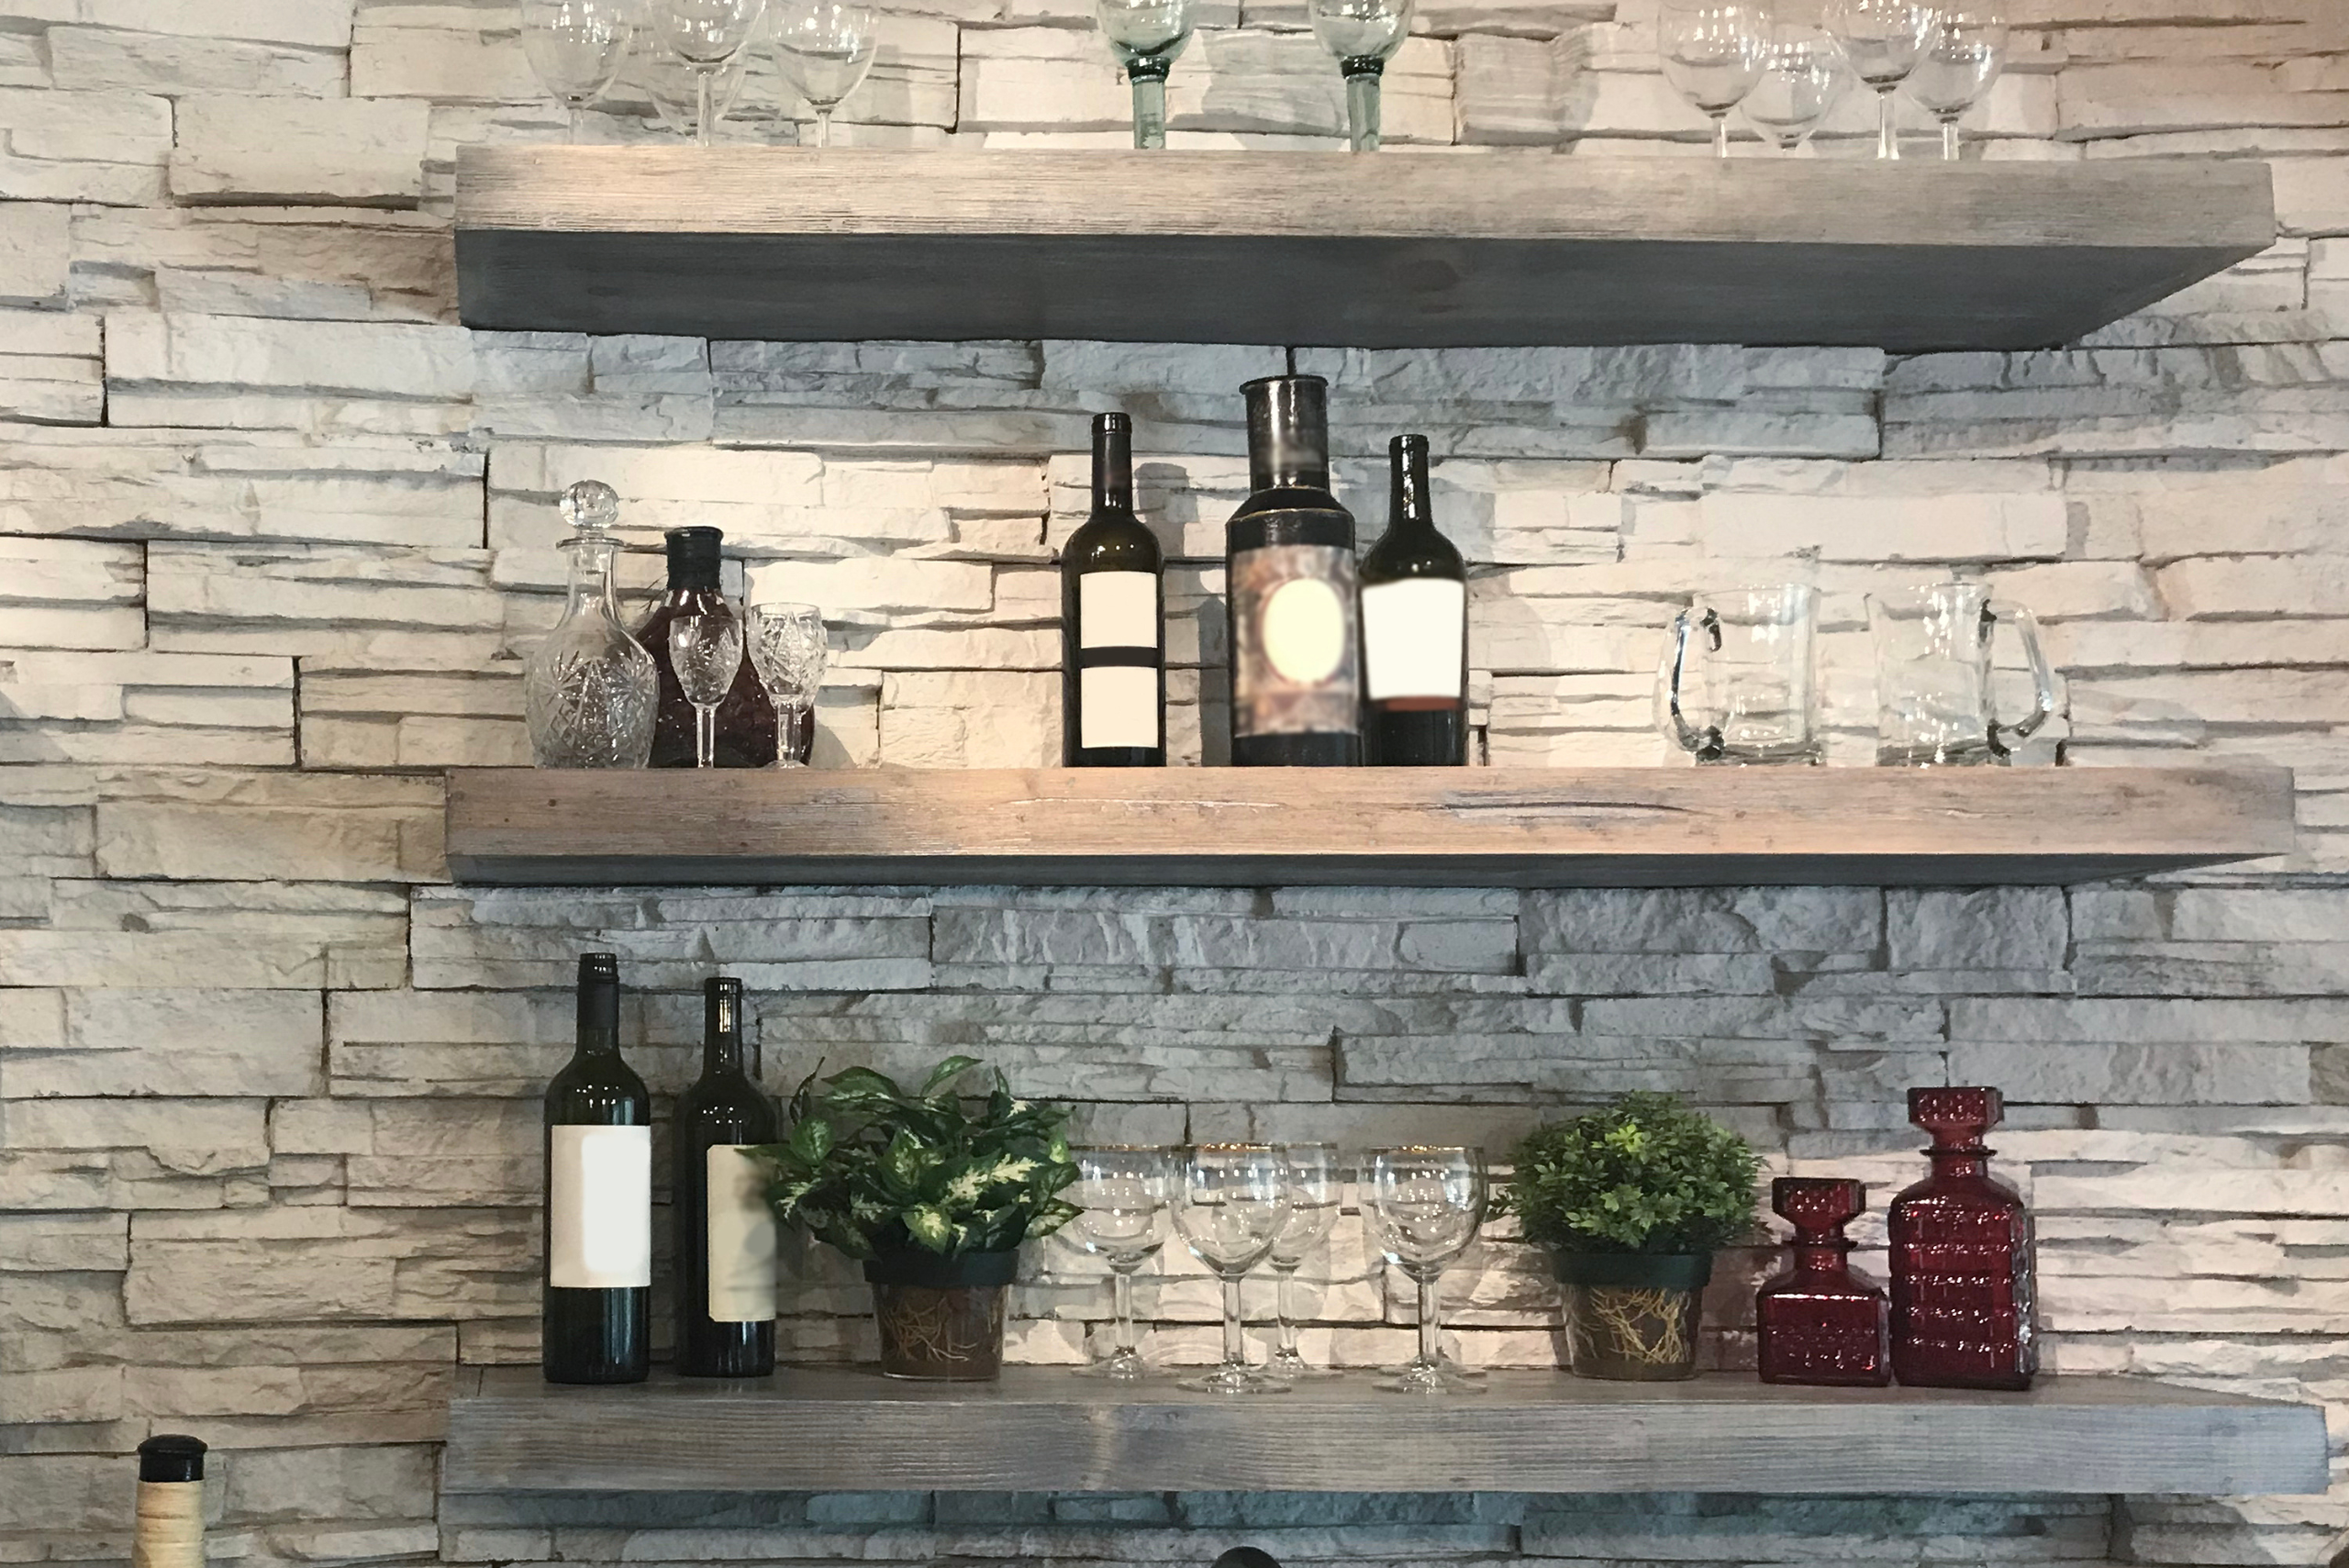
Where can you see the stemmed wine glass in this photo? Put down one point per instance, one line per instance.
(1883, 40)
(1803, 78)
(1423, 1206)
(824, 48)
(706, 651)
(672, 86)
(1964, 54)
(1232, 1204)
(1121, 1196)
(575, 47)
(1315, 1184)
(1146, 36)
(1713, 55)
(706, 35)
(787, 650)
(1364, 35)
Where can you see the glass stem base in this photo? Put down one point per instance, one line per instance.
(1362, 105)
(1150, 107)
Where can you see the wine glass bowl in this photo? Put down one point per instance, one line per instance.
(1363, 34)
(1883, 40)
(575, 47)
(1423, 1207)
(1964, 53)
(708, 36)
(1233, 1203)
(706, 651)
(788, 650)
(824, 49)
(1146, 36)
(1803, 78)
(1121, 1196)
(1712, 54)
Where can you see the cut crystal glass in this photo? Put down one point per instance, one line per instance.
(588, 690)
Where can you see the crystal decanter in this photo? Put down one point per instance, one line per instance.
(1819, 1322)
(589, 688)
(1960, 1257)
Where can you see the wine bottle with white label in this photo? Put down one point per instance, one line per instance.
(167, 1525)
(725, 1234)
(597, 1311)
(1296, 695)
(1113, 621)
(1414, 629)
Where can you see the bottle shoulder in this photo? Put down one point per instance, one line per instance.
(606, 1081)
(1403, 553)
(1112, 542)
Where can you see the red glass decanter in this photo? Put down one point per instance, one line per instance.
(1962, 1286)
(1819, 1322)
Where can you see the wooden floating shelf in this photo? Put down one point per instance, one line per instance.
(1041, 1428)
(1445, 828)
(1396, 251)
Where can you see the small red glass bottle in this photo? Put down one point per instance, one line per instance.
(1819, 1322)
(1962, 1284)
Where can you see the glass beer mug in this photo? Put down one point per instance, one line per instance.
(1737, 686)
(1934, 705)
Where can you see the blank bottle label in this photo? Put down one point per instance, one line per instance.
(1410, 633)
(1118, 609)
(599, 1207)
(1293, 669)
(1116, 706)
(741, 1238)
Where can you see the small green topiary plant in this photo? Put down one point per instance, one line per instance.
(1643, 1174)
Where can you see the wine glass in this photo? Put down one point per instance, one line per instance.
(787, 650)
(671, 86)
(824, 48)
(1803, 78)
(1883, 40)
(1232, 1204)
(1712, 56)
(1423, 1206)
(1962, 55)
(1121, 1196)
(575, 47)
(1364, 35)
(706, 651)
(1315, 1184)
(1146, 36)
(706, 35)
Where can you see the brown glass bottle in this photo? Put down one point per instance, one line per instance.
(1819, 1321)
(746, 718)
(1962, 1270)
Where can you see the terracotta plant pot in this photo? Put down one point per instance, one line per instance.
(1632, 1318)
(940, 1319)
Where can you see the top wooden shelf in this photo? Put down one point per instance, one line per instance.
(1392, 250)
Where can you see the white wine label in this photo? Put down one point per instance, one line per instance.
(1411, 638)
(1117, 609)
(168, 1531)
(1117, 705)
(741, 1238)
(599, 1207)
(1294, 660)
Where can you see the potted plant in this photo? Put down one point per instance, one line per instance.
(934, 1193)
(1631, 1200)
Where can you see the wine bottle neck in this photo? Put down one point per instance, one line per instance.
(721, 1038)
(1113, 465)
(1409, 509)
(600, 1017)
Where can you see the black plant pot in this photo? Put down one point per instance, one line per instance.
(940, 1319)
(1632, 1317)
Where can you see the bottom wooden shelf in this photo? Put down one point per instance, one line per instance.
(1044, 1429)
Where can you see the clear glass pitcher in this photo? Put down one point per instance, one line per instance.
(1738, 682)
(1934, 702)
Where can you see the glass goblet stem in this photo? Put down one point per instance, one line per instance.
(1235, 1353)
(1887, 134)
(1362, 103)
(570, 133)
(1282, 1280)
(791, 721)
(1720, 134)
(1150, 106)
(705, 735)
(1430, 1322)
(704, 81)
(824, 126)
(1122, 1295)
(1949, 138)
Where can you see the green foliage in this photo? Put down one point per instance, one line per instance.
(874, 1168)
(1641, 1176)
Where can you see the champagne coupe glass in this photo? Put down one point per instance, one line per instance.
(1316, 1182)
(788, 652)
(1233, 1203)
(1146, 36)
(1364, 35)
(575, 47)
(1964, 54)
(706, 653)
(1121, 1196)
(1423, 1206)
(706, 35)
(1883, 40)
(1803, 78)
(824, 48)
(1712, 55)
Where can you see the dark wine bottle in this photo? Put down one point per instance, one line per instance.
(1296, 692)
(598, 1315)
(746, 718)
(1414, 629)
(1113, 621)
(167, 1524)
(726, 1236)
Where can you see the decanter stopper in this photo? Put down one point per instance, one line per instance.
(1819, 1206)
(1819, 1322)
(591, 508)
(1957, 1117)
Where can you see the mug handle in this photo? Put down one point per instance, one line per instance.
(1702, 741)
(2042, 680)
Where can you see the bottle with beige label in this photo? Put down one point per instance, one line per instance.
(168, 1528)
(726, 1234)
(1113, 638)
(597, 1308)
(1414, 629)
(1296, 691)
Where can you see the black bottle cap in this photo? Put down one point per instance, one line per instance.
(171, 1456)
(694, 556)
(1247, 1557)
(599, 966)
